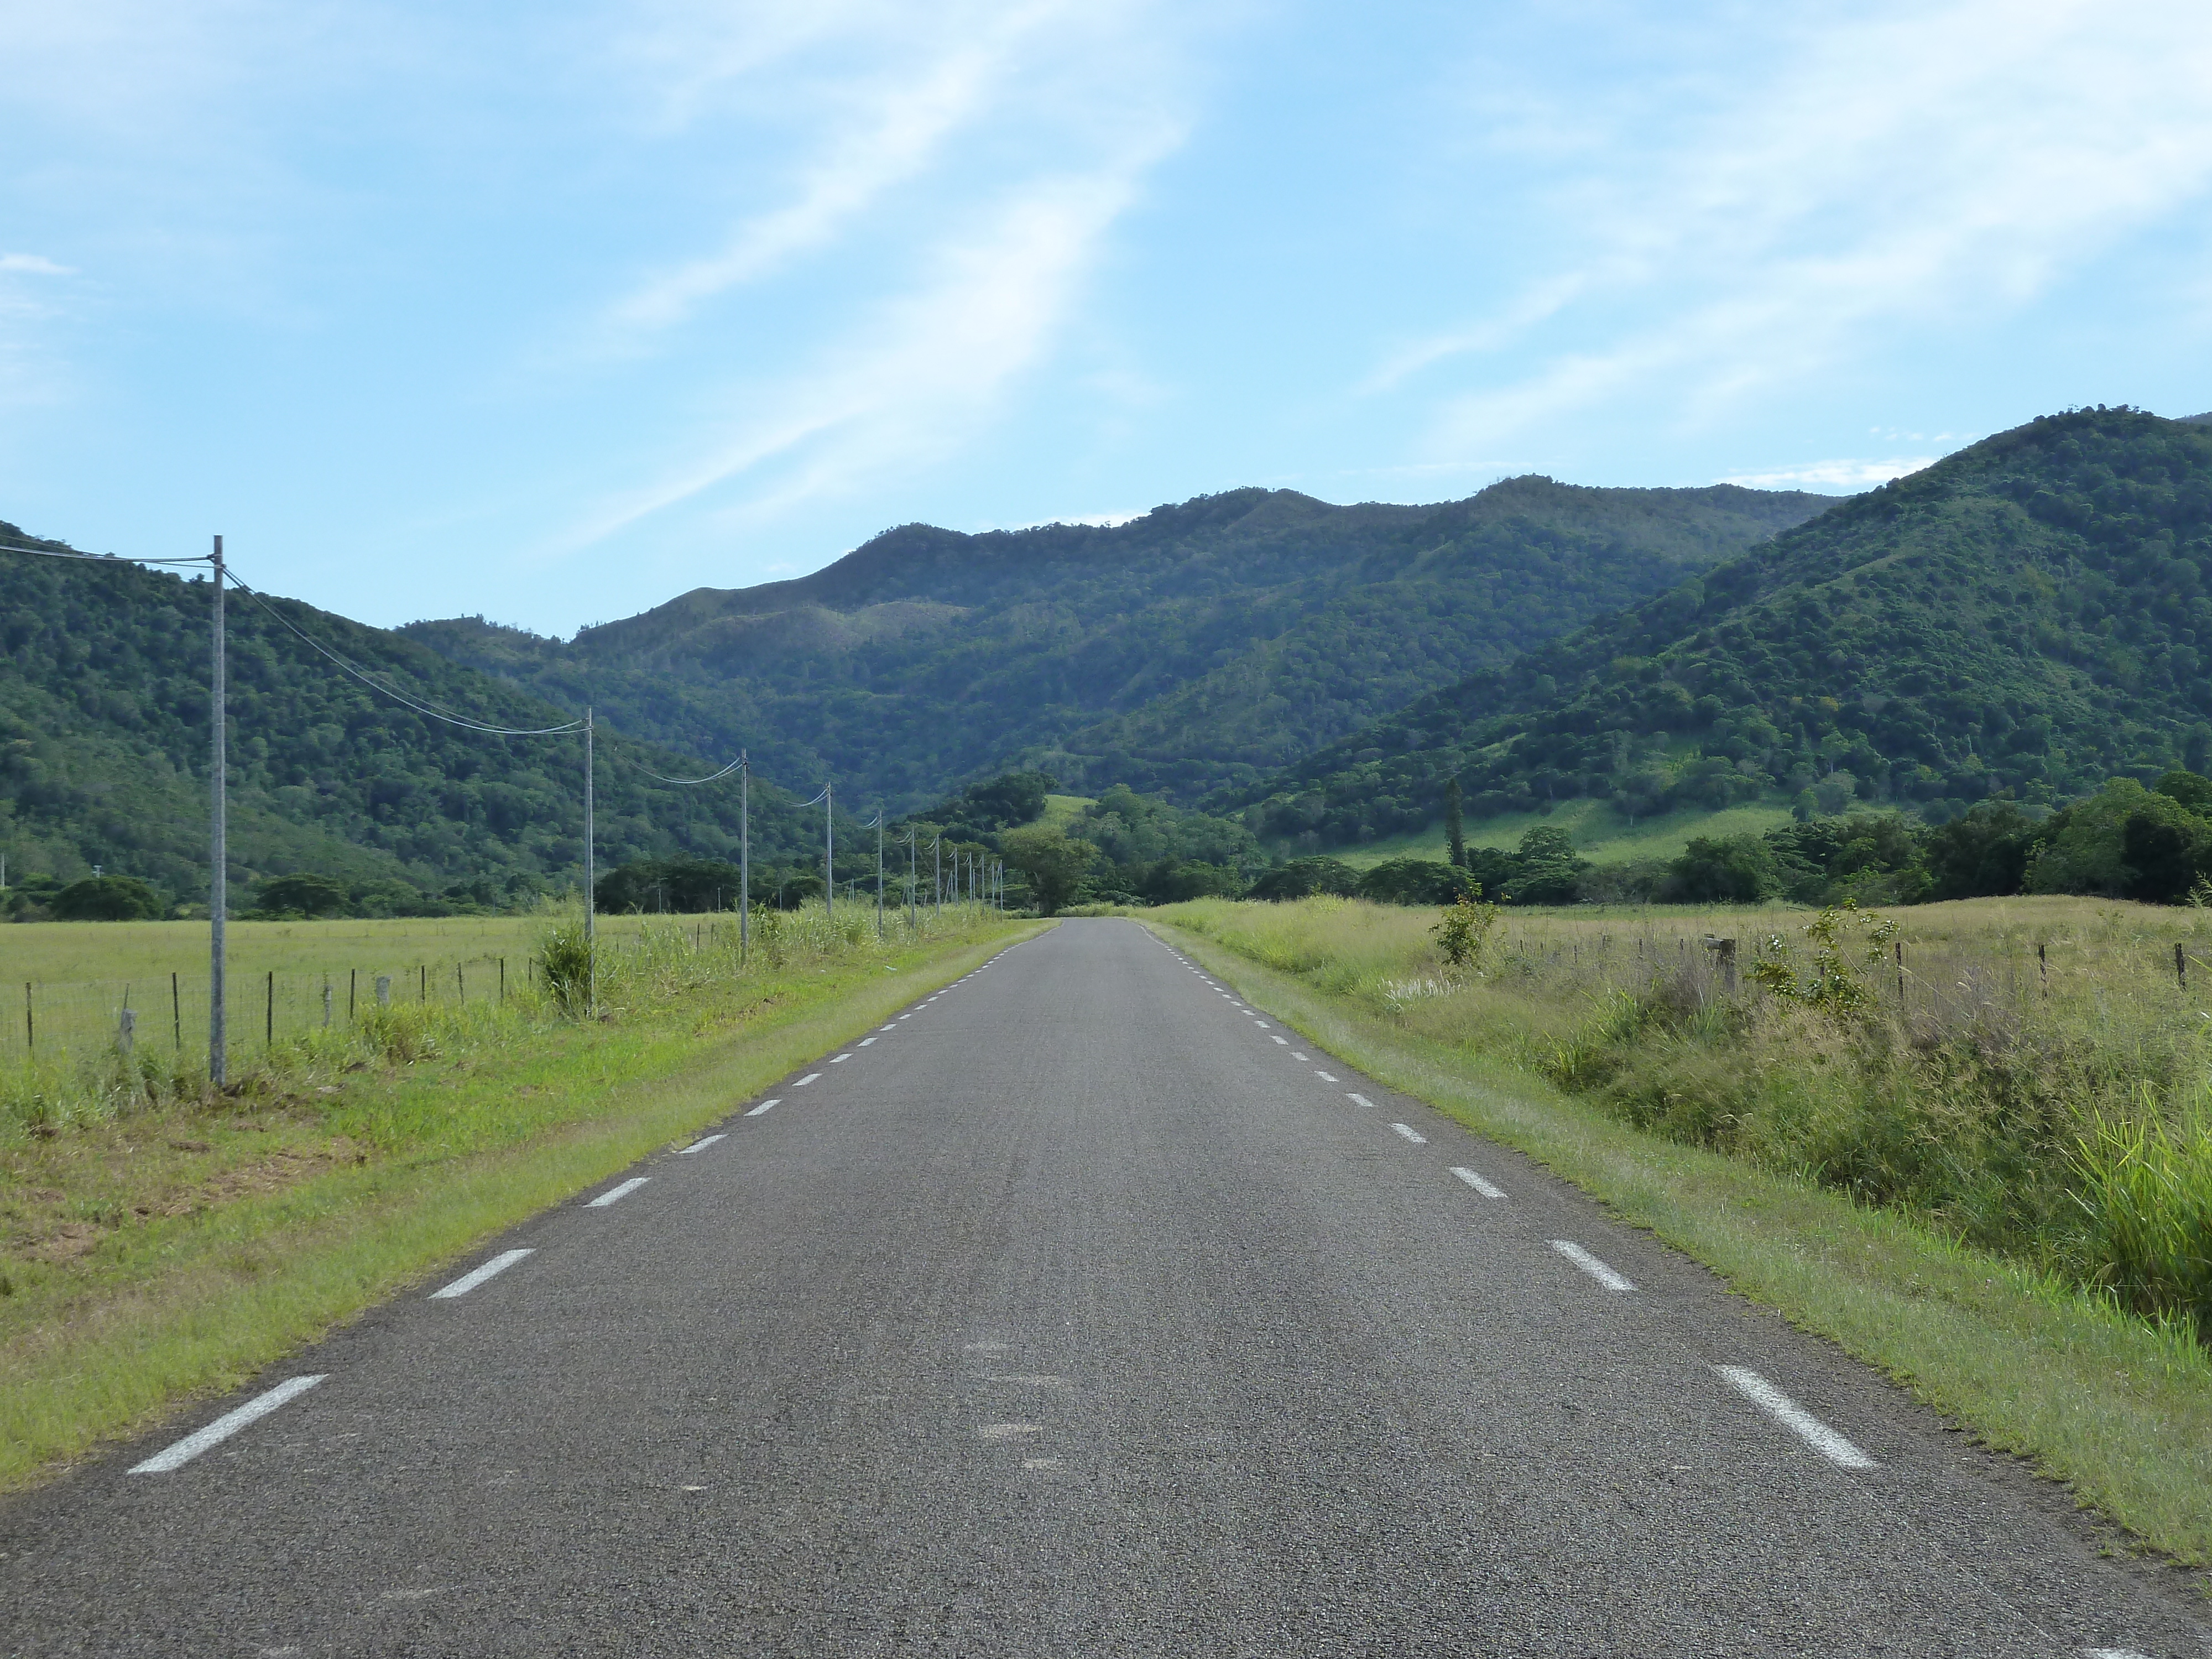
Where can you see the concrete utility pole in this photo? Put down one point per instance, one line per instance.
(879, 872)
(829, 854)
(218, 839)
(937, 852)
(590, 873)
(913, 876)
(744, 858)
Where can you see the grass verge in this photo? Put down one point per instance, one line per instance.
(2118, 1410)
(196, 1303)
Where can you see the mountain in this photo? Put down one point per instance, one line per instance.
(2027, 616)
(1201, 646)
(104, 751)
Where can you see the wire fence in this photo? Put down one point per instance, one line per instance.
(57, 1019)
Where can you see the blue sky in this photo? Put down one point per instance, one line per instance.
(553, 311)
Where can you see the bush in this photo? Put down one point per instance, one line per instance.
(302, 896)
(1304, 878)
(1725, 870)
(108, 898)
(564, 962)
(1416, 881)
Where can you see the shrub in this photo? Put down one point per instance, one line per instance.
(108, 898)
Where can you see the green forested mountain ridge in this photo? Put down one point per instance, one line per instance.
(1201, 645)
(104, 751)
(2028, 616)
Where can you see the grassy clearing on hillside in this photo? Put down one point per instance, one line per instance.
(1600, 835)
(1901, 1182)
(156, 1243)
(1061, 811)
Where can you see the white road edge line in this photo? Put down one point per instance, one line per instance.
(1478, 1182)
(1590, 1265)
(810, 1077)
(1795, 1418)
(1410, 1134)
(764, 1106)
(614, 1193)
(699, 1146)
(225, 1427)
(498, 1264)
(1361, 1100)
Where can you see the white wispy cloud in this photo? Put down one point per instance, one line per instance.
(911, 380)
(1838, 475)
(1921, 168)
(35, 264)
(1071, 105)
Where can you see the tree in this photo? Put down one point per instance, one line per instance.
(1415, 881)
(1303, 877)
(1054, 864)
(1724, 869)
(303, 894)
(1455, 825)
(108, 898)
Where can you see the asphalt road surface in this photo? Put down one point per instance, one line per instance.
(1082, 1310)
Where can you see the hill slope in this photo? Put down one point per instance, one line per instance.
(104, 751)
(2028, 615)
(1199, 646)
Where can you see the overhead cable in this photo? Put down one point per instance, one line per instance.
(397, 696)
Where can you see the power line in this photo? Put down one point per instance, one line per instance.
(102, 558)
(418, 706)
(710, 777)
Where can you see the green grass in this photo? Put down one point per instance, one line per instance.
(173, 1250)
(1059, 811)
(2012, 1345)
(1600, 835)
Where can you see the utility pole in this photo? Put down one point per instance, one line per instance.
(912, 879)
(879, 872)
(745, 857)
(218, 839)
(937, 852)
(828, 853)
(590, 873)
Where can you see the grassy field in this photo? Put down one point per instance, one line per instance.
(1600, 835)
(1995, 1182)
(1059, 811)
(81, 974)
(158, 1240)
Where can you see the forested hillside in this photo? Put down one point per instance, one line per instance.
(1202, 645)
(2028, 616)
(104, 752)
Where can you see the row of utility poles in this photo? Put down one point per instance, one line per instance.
(985, 880)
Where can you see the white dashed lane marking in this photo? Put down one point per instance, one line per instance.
(1361, 1100)
(225, 1427)
(498, 1264)
(1590, 1265)
(1478, 1183)
(1795, 1418)
(1410, 1134)
(1324, 1077)
(699, 1146)
(615, 1192)
(811, 1077)
(847, 1055)
(764, 1106)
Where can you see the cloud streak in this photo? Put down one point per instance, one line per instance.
(1919, 170)
(989, 280)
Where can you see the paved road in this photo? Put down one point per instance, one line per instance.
(1082, 1311)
